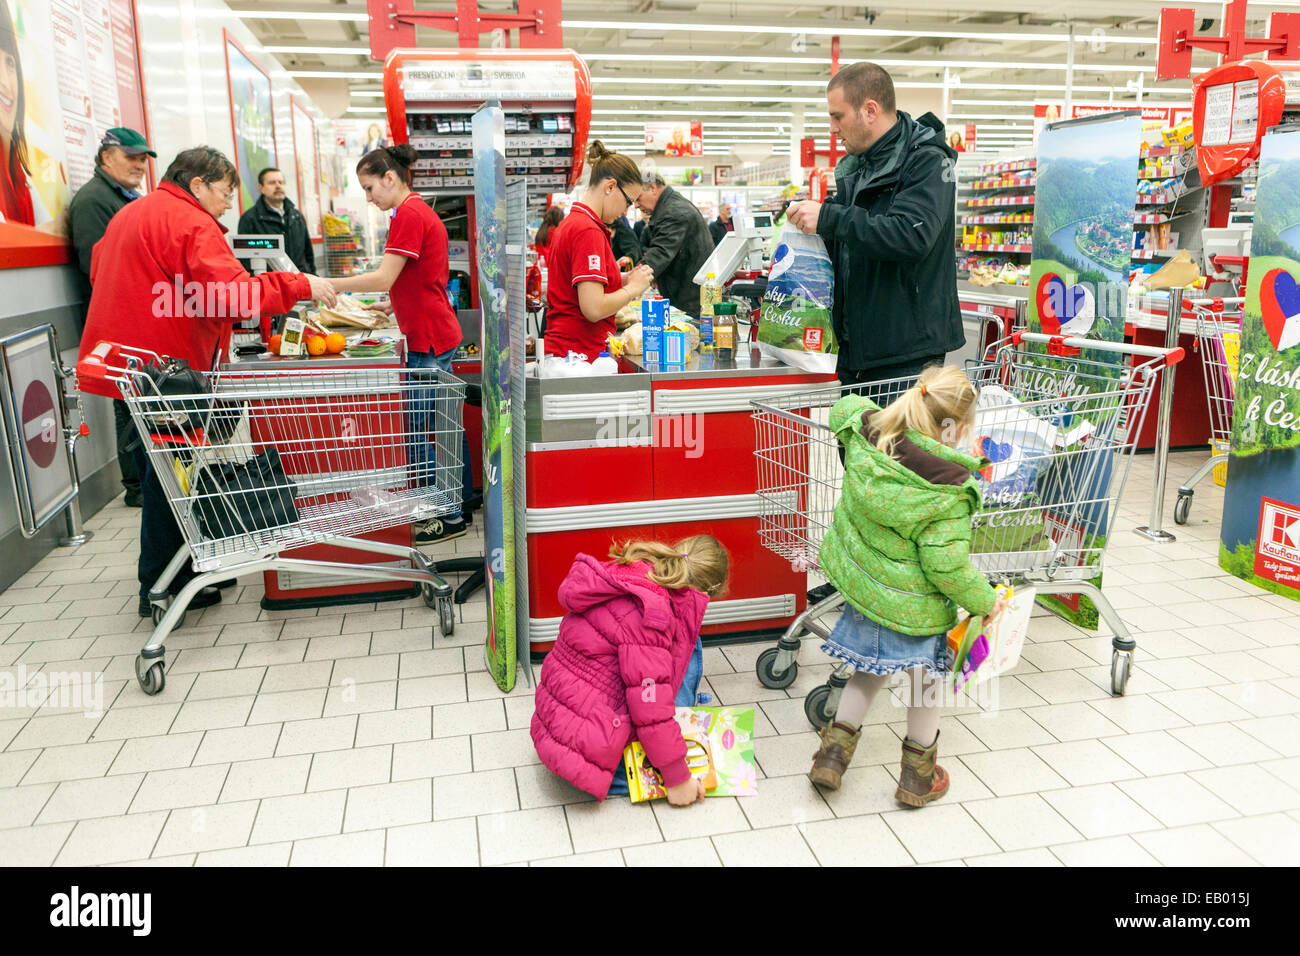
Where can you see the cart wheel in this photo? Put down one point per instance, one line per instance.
(767, 678)
(446, 615)
(1121, 662)
(1181, 509)
(814, 706)
(152, 679)
(430, 599)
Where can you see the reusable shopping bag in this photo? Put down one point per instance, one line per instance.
(233, 498)
(982, 652)
(795, 321)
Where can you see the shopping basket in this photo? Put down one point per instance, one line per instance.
(258, 462)
(1218, 340)
(1049, 526)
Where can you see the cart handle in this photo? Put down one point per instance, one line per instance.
(101, 370)
(1170, 356)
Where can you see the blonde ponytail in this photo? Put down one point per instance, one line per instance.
(698, 562)
(941, 401)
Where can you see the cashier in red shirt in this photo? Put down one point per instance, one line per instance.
(584, 287)
(414, 268)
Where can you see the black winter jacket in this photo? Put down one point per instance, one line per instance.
(676, 243)
(261, 219)
(889, 231)
(89, 212)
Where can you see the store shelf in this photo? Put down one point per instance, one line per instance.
(1011, 166)
(983, 247)
(1155, 253)
(1000, 201)
(995, 221)
(989, 184)
(1150, 219)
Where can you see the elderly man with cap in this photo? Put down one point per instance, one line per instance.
(120, 166)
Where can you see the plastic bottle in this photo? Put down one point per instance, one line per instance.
(710, 296)
(724, 330)
(604, 365)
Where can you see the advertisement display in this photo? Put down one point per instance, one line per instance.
(1047, 112)
(1260, 536)
(306, 158)
(79, 71)
(252, 120)
(489, 131)
(1083, 240)
(674, 139)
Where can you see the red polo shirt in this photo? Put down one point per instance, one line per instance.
(579, 251)
(419, 293)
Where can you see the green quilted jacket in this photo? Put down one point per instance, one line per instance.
(899, 545)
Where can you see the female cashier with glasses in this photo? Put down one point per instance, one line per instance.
(586, 287)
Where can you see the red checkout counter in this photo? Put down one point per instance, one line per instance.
(658, 452)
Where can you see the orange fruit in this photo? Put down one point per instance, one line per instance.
(316, 345)
(275, 345)
(334, 343)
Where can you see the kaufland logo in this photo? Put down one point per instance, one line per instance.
(1279, 531)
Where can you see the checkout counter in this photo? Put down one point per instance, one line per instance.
(661, 452)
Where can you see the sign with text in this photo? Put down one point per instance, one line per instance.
(674, 139)
(1260, 535)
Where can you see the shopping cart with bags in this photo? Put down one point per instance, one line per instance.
(1218, 340)
(1059, 428)
(258, 462)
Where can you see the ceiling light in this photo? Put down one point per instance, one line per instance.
(909, 62)
(321, 50)
(846, 31)
(338, 74)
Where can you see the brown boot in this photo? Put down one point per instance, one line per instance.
(832, 759)
(921, 779)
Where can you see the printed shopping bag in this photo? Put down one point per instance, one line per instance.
(982, 652)
(795, 324)
(719, 751)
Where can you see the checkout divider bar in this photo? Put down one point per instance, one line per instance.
(665, 511)
(544, 629)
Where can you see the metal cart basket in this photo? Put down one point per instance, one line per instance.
(1218, 339)
(1047, 510)
(258, 462)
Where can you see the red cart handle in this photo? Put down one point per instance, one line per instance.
(101, 370)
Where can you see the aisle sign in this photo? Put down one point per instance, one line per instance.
(1260, 536)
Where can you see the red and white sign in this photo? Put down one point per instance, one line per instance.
(807, 152)
(674, 139)
(812, 340)
(1044, 113)
(1235, 104)
(1277, 554)
(40, 428)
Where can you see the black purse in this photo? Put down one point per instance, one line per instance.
(253, 495)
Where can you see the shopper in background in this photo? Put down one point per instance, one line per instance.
(275, 214)
(120, 165)
(414, 273)
(639, 230)
(584, 286)
(623, 240)
(154, 247)
(679, 242)
(723, 224)
(889, 232)
(627, 655)
(553, 216)
(898, 549)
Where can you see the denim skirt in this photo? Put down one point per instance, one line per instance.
(873, 648)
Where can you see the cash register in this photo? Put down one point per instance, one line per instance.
(258, 253)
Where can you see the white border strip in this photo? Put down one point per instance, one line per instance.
(595, 405)
(619, 514)
(542, 630)
(682, 401)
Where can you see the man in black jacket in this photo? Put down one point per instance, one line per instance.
(723, 224)
(120, 165)
(678, 243)
(627, 250)
(274, 212)
(888, 229)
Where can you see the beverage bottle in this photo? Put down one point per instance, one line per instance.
(724, 330)
(710, 296)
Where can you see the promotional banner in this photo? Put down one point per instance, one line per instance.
(1045, 113)
(1083, 245)
(962, 142)
(674, 139)
(306, 159)
(1260, 537)
(491, 219)
(251, 119)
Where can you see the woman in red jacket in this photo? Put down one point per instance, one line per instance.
(164, 279)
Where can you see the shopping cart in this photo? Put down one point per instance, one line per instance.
(1047, 513)
(259, 462)
(1218, 339)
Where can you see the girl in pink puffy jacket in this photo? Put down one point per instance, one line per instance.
(623, 649)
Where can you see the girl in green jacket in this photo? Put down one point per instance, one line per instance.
(898, 549)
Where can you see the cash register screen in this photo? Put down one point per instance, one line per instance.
(763, 221)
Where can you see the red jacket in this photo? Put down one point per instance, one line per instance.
(618, 662)
(164, 279)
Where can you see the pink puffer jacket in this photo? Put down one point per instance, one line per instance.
(619, 659)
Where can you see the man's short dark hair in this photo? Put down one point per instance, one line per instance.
(262, 174)
(208, 164)
(865, 81)
(99, 153)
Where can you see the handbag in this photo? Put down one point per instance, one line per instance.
(234, 498)
(184, 404)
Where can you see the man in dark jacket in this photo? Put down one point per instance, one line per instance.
(723, 224)
(274, 213)
(679, 242)
(624, 241)
(888, 229)
(120, 166)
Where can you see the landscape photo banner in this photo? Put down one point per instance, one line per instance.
(1084, 201)
(1260, 535)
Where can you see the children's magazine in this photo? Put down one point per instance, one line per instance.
(719, 750)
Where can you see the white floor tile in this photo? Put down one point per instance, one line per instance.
(14, 765)
(394, 726)
(299, 817)
(1010, 772)
(703, 818)
(523, 835)
(471, 794)
(85, 799)
(1107, 852)
(506, 748)
(269, 855)
(1137, 714)
(273, 777)
(209, 828)
(358, 767)
(448, 843)
(112, 839)
(33, 846)
(612, 824)
(349, 849)
(1086, 762)
(855, 841)
(236, 744)
(1272, 840)
(73, 762)
(538, 787)
(1018, 858)
(1075, 721)
(185, 787)
(1224, 744)
(1197, 846)
(780, 846)
(784, 801)
(431, 758)
(1249, 789)
(1156, 753)
(1101, 810)
(680, 853)
(937, 833)
(388, 805)
(1177, 800)
(313, 736)
(1021, 822)
(1006, 730)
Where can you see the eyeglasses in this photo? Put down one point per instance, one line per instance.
(226, 193)
(626, 197)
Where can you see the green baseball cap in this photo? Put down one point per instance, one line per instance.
(131, 142)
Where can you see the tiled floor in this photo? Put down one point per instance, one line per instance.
(357, 736)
